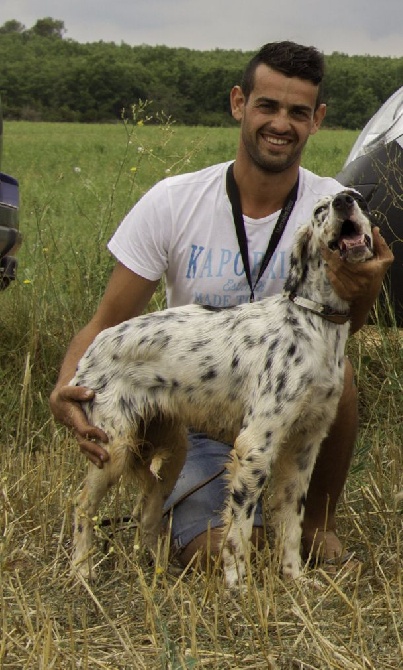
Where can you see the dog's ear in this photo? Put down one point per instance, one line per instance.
(298, 258)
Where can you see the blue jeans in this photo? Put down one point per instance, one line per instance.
(201, 509)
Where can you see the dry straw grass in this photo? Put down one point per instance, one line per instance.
(140, 616)
(144, 617)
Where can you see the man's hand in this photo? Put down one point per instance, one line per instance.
(65, 402)
(359, 283)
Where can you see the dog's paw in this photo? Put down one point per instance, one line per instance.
(83, 569)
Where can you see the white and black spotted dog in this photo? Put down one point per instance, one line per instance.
(266, 376)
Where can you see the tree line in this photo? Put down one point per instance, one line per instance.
(46, 77)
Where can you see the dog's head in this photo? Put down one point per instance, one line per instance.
(340, 221)
(343, 222)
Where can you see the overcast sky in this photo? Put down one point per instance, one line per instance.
(372, 27)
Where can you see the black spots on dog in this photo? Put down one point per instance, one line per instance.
(249, 510)
(260, 477)
(291, 350)
(88, 406)
(214, 308)
(118, 340)
(159, 338)
(301, 503)
(210, 374)
(240, 496)
(303, 457)
(319, 263)
(143, 341)
(199, 344)
(268, 363)
(249, 341)
(274, 345)
(100, 384)
(235, 361)
(280, 385)
(206, 360)
(123, 327)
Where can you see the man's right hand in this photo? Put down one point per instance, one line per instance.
(65, 403)
(126, 296)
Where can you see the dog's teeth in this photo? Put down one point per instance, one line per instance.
(351, 241)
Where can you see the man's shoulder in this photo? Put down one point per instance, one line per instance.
(208, 175)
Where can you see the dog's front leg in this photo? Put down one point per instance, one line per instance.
(247, 475)
(291, 474)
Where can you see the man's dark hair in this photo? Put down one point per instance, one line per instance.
(289, 58)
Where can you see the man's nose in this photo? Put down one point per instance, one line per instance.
(280, 121)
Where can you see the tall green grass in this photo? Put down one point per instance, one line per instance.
(77, 182)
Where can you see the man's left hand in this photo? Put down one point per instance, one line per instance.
(359, 283)
(352, 281)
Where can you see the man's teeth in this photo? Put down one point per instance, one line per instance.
(276, 140)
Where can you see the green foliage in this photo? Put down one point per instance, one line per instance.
(48, 27)
(45, 77)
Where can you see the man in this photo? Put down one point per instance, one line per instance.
(183, 228)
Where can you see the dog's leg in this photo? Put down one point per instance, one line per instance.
(247, 475)
(158, 478)
(291, 474)
(95, 488)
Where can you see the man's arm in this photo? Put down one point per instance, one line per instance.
(359, 283)
(126, 295)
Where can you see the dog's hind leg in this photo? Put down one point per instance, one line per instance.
(158, 477)
(96, 485)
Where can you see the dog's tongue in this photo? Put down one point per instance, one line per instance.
(351, 244)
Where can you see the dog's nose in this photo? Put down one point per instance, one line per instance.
(343, 201)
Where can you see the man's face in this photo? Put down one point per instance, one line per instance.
(277, 119)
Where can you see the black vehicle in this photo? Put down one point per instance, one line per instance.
(375, 168)
(10, 237)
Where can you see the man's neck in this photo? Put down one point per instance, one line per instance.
(263, 193)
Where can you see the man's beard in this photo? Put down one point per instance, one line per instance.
(267, 164)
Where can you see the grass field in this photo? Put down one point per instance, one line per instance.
(76, 184)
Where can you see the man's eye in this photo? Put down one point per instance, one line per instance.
(301, 113)
(267, 106)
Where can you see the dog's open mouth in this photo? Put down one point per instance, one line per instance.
(353, 244)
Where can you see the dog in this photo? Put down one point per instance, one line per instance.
(265, 376)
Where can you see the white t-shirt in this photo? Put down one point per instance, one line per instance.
(183, 227)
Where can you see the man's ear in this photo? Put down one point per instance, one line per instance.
(318, 116)
(237, 100)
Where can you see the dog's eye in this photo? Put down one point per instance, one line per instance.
(362, 202)
(319, 210)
